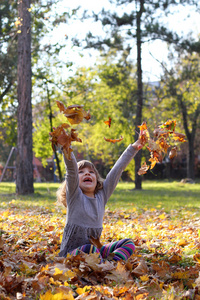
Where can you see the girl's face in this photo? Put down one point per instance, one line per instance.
(87, 181)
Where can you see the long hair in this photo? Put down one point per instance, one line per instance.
(61, 192)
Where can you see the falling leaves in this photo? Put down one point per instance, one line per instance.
(59, 136)
(162, 143)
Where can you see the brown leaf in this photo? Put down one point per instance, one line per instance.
(173, 152)
(144, 168)
(141, 269)
(120, 275)
(93, 262)
(74, 113)
(96, 242)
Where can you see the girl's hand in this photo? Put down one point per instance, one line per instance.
(138, 145)
(142, 140)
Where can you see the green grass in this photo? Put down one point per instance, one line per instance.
(154, 194)
(157, 194)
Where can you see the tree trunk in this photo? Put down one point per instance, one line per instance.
(138, 119)
(24, 163)
(190, 159)
(51, 129)
(190, 136)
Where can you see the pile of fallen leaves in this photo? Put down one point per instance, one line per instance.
(165, 265)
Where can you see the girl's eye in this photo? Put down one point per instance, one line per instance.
(80, 171)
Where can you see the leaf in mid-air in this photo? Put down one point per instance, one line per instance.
(74, 113)
(144, 133)
(173, 152)
(144, 168)
(169, 125)
(180, 137)
(114, 140)
(108, 122)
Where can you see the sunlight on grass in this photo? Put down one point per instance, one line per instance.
(154, 194)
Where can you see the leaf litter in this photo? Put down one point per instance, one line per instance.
(165, 265)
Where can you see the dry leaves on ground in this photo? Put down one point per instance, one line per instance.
(165, 265)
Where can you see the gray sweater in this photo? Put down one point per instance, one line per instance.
(85, 214)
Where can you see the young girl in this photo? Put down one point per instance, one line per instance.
(85, 195)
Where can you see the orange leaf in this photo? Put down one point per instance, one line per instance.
(144, 133)
(108, 122)
(114, 140)
(179, 137)
(143, 126)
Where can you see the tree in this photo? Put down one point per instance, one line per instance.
(181, 94)
(10, 27)
(139, 21)
(24, 165)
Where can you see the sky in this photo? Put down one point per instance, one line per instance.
(153, 53)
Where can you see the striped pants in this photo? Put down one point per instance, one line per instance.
(122, 249)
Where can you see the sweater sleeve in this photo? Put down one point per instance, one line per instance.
(115, 173)
(72, 179)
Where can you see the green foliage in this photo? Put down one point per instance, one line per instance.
(44, 19)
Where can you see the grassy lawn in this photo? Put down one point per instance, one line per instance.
(154, 194)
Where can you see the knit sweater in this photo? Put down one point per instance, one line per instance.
(84, 217)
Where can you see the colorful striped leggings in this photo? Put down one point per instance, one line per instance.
(122, 249)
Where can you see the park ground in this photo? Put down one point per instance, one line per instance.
(163, 219)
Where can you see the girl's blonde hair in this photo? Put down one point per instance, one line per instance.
(61, 192)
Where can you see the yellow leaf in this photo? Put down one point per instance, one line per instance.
(69, 274)
(58, 296)
(182, 242)
(57, 271)
(120, 223)
(52, 281)
(144, 278)
(81, 291)
(162, 217)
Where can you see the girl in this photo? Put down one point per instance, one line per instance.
(85, 195)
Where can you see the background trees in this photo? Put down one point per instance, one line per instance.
(114, 87)
(134, 24)
(181, 96)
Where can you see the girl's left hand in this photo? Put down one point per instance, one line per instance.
(137, 145)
